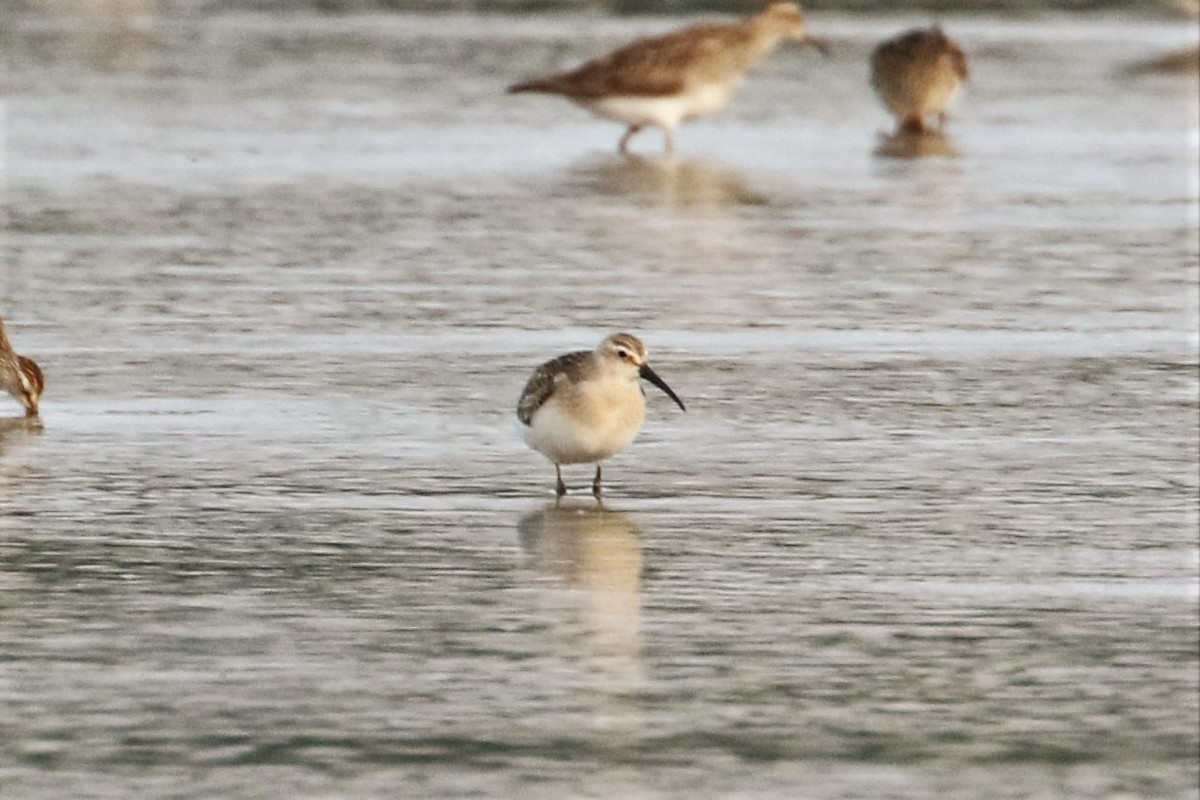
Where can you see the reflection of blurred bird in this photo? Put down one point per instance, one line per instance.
(118, 34)
(918, 75)
(916, 144)
(586, 406)
(666, 80)
(686, 183)
(20, 376)
(13, 430)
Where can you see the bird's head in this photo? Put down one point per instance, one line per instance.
(786, 21)
(627, 349)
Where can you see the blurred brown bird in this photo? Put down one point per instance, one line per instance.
(663, 81)
(918, 75)
(20, 376)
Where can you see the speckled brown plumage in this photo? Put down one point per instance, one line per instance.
(567, 367)
(20, 376)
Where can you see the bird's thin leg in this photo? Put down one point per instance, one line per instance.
(623, 147)
(597, 490)
(560, 488)
(669, 141)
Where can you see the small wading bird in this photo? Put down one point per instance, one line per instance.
(586, 406)
(917, 75)
(20, 376)
(665, 80)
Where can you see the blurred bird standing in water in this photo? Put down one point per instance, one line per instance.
(663, 81)
(917, 75)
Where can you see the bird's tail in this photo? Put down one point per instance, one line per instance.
(539, 85)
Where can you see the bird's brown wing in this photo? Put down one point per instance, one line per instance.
(33, 373)
(545, 380)
(646, 68)
(922, 46)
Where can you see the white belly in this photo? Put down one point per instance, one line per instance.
(665, 112)
(590, 432)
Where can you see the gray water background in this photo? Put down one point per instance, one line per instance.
(928, 527)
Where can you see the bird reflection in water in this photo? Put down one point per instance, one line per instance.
(693, 183)
(595, 555)
(15, 430)
(906, 143)
(118, 35)
(15, 434)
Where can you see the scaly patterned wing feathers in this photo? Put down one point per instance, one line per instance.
(545, 380)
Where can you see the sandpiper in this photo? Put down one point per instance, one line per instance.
(20, 376)
(665, 80)
(917, 75)
(586, 406)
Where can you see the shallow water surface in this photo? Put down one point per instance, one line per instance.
(928, 526)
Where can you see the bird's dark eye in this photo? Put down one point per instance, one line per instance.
(622, 354)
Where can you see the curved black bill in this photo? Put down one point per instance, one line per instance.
(652, 376)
